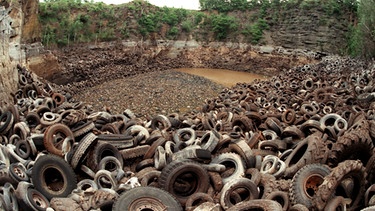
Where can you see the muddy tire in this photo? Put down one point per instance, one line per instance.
(65, 204)
(310, 150)
(354, 144)
(306, 182)
(257, 204)
(352, 169)
(184, 178)
(146, 198)
(231, 187)
(53, 140)
(53, 176)
(280, 197)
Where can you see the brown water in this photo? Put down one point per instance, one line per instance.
(227, 78)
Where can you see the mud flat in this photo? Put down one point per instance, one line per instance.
(226, 78)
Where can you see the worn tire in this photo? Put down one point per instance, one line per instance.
(310, 150)
(231, 159)
(190, 172)
(101, 150)
(146, 198)
(53, 176)
(356, 143)
(306, 182)
(84, 145)
(51, 143)
(257, 204)
(237, 184)
(347, 169)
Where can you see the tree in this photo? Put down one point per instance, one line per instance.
(363, 38)
(366, 26)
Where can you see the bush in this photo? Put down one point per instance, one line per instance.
(255, 31)
(148, 23)
(186, 26)
(173, 32)
(222, 25)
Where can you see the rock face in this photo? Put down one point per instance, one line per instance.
(19, 27)
(311, 29)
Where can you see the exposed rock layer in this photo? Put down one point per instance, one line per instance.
(19, 27)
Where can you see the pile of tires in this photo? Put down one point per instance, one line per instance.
(302, 140)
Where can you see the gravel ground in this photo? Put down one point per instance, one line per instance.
(161, 92)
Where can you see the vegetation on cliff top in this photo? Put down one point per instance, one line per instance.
(76, 21)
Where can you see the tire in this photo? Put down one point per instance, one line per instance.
(84, 145)
(352, 169)
(280, 197)
(237, 184)
(196, 199)
(337, 203)
(306, 182)
(32, 119)
(310, 150)
(101, 150)
(37, 200)
(17, 173)
(243, 149)
(9, 197)
(231, 159)
(120, 141)
(354, 144)
(23, 149)
(53, 176)
(6, 121)
(257, 204)
(146, 198)
(191, 176)
(160, 122)
(54, 137)
(65, 204)
(82, 128)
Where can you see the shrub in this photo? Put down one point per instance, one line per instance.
(186, 26)
(222, 25)
(173, 32)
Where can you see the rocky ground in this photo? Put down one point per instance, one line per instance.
(161, 92)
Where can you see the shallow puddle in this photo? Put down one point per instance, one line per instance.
(227, 78)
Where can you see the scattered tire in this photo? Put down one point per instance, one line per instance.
(146, 198)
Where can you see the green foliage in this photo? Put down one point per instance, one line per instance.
(224, 6)
(362, 37)
(187, 26)
(255, 31)
(148, 23)
(222, 25)
(199, 16)
(169, 16)
(173, 32)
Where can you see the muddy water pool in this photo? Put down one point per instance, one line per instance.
(226, 78)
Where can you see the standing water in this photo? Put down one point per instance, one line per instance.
(227, 78)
